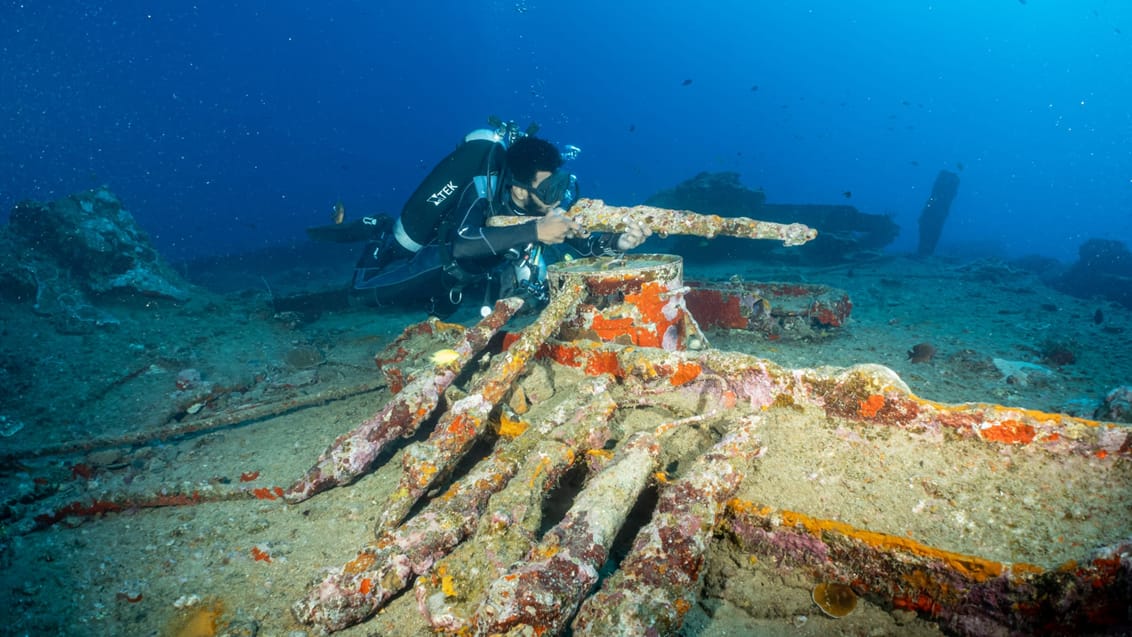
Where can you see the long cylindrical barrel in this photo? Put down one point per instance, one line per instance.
(426, 462)
(596, 216)
(353, 453)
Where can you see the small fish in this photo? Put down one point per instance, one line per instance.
(445, 357)
(632, 127)
(921, 353)
(848, 194)
(686, 83)
(339, 213)
(1098, 316)
(960, 166)
(755, 87)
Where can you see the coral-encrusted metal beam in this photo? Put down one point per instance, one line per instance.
(426, 462)
(659, 581)
(355, 591)
(864, 393)
(353, 453)
(449, 595)
(596, 216)
(542, 591)
(968, 595)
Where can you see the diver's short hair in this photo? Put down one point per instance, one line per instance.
(528, 155)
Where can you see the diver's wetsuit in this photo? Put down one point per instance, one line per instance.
(440, 241)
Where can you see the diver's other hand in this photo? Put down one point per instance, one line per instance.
(633, 236)
(556, 227)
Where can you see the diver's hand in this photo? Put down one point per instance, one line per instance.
(633, 236)
(556, 227)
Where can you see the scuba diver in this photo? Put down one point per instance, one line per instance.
(440, 245)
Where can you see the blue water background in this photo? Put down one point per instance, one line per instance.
(231, 126)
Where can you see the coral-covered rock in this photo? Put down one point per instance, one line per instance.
(93, 241)
(1117, 405)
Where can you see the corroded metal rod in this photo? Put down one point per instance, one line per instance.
(355, 591)
(596, 216)
(967, 594)
(545, 589)
(425, 462)
(449, 595)
(659, 581)
(353, 453)
(864, 393)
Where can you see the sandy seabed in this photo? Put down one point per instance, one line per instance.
(238, 565)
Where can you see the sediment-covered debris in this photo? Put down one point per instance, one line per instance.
(504, 578)
(62, 255)
(353, 453)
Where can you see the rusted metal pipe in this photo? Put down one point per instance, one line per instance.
(594, 215)
(352, 454)
(426, 462)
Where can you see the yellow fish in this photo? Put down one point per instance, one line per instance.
(339, 214)
(445, 357)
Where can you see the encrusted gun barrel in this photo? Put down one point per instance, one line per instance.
(596, 216)
(659, 581)
(449, 595)
(459, 427)
(355, 591)
(353, 453)
(543, 591)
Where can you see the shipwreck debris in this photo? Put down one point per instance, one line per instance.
(934, 214)
(596, 216)
(353, 453)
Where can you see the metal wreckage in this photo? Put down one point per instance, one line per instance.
(472, 551)
(464, 528)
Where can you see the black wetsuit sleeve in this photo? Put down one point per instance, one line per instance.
(474, 240)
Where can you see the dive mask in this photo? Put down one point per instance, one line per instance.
(561, 187)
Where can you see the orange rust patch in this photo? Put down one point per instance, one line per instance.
(563, 353)
(972, 567)
(871, 405)
(922, 603)
(196, 621)
(362, 562)
(608, 329)
(1009, 432)
(650, 302)
(365, 586)
(685, 372)
(599, 363)
(594, 362)
(682, 607)
(511, 427)
(462, 425)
